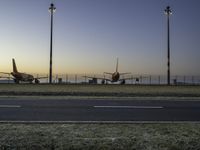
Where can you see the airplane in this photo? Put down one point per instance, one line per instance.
(18, 76)
(115, 77)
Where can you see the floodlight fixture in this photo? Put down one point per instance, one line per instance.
(168, 11)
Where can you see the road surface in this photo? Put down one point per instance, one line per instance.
(98, 110)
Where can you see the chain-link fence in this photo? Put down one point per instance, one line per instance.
(98, 79)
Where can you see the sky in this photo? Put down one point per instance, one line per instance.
(89, 35)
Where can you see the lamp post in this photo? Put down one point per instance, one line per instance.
(52, 9)
(168, 12)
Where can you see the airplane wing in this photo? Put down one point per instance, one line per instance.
(41, 77)
(126, 79)
(108, 73)
(133, 78)
(106, 79)
(123, 80)
(125, 73)
(37, 79)
(6, 77)
(5, 73)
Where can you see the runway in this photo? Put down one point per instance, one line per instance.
(95, 110)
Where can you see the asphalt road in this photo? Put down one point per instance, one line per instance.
(98, 110)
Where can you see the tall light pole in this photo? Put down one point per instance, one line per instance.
(52, 9)
(168, 12)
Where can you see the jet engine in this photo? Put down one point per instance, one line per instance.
(123, 81)
(103, 81)
(37, 81)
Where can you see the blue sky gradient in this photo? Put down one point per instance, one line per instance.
(90, 34)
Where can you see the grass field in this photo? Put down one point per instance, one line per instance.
(99, 90)
(100, 136)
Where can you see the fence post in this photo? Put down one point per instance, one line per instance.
(131, 79)
(47, 78)
(66, 78)
(193, 80)
(9, 78)
(75, 79)
(150, 79)
(85, 79)
(56, 80)
(184, 79)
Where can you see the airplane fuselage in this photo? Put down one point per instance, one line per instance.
(22, 76)
(115, 77)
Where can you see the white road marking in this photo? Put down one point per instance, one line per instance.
(10, 106)
(132, 107)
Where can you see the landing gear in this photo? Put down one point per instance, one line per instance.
(16, 81)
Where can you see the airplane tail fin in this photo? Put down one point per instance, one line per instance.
(14, 65)
(117, 66)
